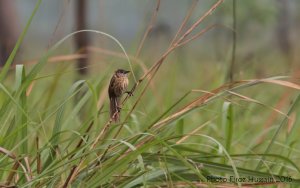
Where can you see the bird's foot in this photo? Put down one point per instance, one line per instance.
(130, 93)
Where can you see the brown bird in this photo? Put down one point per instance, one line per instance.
(117, 87)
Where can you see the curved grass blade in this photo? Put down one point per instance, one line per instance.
(283, 122)
(58, 123)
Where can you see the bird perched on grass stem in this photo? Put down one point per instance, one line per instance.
(117, 87)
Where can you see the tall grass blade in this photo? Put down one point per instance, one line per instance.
(21, 119)
(283, 122)
(227, 121)
(58, 123)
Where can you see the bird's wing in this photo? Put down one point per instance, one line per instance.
(111, 87)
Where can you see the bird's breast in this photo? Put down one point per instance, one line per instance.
(121, 84)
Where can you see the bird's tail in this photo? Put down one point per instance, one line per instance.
(114, 109)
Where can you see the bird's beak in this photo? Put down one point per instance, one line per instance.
(126, 72)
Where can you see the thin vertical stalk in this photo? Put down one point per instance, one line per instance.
(232, 64)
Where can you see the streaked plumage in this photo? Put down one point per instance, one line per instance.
(118, 85)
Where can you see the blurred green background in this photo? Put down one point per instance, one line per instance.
(59, 91)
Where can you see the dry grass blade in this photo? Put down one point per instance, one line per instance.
(199, 101)
(76, 56)
(29, 89)
(187, 17)
(149, 28)
(27, 164)
(203, 99)
(291, 122)
(256, 101)
(174, 46)
(202, 91)
(8, 153)
(282, 102)
(224, 97)
(203, 31)
(12, 173)
(17, 164)
(282, 82)
(70, 177)
(59, 58)
(191, 29)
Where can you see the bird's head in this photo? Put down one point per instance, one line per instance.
(121, 72)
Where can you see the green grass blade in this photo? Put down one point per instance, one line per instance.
(169, 109)
(283, 122)
(21, 119)
(180, 127)
(227, 121)
(58, 123)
